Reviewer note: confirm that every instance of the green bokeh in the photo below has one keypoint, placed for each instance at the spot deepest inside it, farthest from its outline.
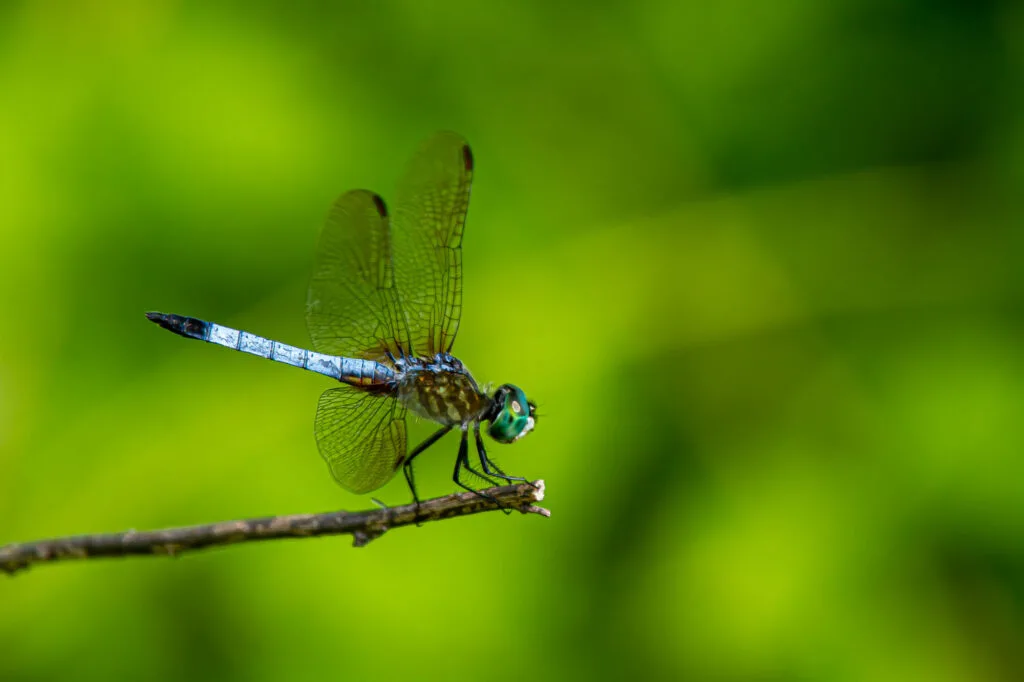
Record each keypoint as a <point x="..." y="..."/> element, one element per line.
<point x="772" y="256"/>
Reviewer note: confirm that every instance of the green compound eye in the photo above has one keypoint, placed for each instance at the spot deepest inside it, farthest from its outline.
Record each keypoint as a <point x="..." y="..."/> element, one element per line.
<point x="512" y="415"/>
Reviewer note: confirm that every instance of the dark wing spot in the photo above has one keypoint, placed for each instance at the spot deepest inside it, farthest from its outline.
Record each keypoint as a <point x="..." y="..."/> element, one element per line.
<point x="398" y="462"/>
<point x="467" y="157"/>
<point x="381" y="208"/>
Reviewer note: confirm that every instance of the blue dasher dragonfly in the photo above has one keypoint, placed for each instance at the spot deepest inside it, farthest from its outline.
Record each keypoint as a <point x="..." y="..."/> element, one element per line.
<point x="383" y="311"/>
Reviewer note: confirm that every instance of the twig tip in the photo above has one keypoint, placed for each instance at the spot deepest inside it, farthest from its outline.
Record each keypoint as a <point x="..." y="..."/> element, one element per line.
<point x="538" y="490"/>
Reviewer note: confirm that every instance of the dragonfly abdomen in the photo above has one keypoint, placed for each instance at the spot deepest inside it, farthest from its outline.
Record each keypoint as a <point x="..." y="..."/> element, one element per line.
<point x="354" y="371"/>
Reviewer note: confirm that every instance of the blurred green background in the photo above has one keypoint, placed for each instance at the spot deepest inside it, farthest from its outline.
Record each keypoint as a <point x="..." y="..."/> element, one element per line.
<point x="772" y="261"/>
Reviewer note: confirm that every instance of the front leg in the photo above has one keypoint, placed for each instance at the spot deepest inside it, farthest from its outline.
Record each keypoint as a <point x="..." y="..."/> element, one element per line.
<point x="487" y="464"/>
<point x="482" y="476"/>
<point x="463" y="461"/>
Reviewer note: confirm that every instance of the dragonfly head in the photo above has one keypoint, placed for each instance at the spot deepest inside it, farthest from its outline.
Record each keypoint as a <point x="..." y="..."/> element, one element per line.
<point x="512" y="416"/>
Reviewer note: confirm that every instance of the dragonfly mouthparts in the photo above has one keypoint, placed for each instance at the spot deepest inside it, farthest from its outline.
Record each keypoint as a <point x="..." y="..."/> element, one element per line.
<point x="530" y="423"/>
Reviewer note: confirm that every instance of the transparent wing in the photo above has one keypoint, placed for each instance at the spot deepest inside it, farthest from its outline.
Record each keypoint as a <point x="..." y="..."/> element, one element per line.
<point x="361" y="436"/>
<point x="352" y="305"/>
<point x="430" y="216"/>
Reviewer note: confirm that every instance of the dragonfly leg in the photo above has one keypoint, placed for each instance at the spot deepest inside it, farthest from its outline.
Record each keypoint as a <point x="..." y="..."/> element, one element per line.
<point x="488" y="465"/>
<point x="479" y="474"/>
<point x="463" y="461"/>
<point x="407" y="467"/>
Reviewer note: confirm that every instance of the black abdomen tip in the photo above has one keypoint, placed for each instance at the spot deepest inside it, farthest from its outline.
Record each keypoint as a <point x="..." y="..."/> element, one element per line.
<point x="467" y="158"/>
<point x="189" y="327"/>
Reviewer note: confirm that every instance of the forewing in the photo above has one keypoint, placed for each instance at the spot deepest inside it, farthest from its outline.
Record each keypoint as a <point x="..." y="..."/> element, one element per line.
<point x="352" y="305"/>
<point x="430" y="216"/>
<point x="361" y="436"/>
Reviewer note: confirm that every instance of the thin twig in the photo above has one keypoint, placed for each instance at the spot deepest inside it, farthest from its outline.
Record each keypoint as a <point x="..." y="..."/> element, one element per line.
<point x="363" y="526"/>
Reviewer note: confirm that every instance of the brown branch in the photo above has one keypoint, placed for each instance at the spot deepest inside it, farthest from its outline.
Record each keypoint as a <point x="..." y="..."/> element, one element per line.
<point x="363" y="526"/>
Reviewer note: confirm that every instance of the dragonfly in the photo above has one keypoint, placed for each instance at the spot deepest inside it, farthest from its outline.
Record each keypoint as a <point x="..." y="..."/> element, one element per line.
<point x="382" y="311"/>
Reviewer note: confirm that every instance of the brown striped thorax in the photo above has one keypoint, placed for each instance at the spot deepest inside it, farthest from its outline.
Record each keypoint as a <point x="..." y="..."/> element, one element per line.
<point x="444" y="391"/>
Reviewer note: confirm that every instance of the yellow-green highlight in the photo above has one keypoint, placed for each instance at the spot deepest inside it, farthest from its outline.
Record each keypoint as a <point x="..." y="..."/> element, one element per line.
<point x="772" y="325"/>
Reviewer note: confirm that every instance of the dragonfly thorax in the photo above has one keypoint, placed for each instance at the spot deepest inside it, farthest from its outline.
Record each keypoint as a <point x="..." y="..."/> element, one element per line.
<point x="441" y="390"/>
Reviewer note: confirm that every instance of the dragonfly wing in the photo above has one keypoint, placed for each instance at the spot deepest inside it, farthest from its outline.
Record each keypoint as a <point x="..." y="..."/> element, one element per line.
<point x="361" y="436"/>
<point x="352" y="305"/>
<point x="430" y="216"/>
